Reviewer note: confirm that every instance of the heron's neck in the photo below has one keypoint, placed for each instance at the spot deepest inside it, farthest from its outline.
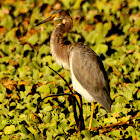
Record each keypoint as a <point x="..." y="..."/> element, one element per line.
<point x="59" y="50"/>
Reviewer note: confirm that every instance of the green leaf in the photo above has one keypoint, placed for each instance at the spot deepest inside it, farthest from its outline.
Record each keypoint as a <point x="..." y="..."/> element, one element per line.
<point x="116" y="108"/>
<point x="35" y="74"/>
<point x="131" y="131"/>
<point x="77" y="4"/>
<point x="3" y="94"/>
<point x="9" y="129"/>
<point x="6" y="48"/>
<point x="126" y="28"/>
<point x="43" y="36"/>
<point x="49" y="2"/>
<point x="47" y="107"/>
<point x="30" y="136"/>
<point x="3" y="123"/>
<point x="53" y="88"/>
<point x="44" y="88"/>
<point x="47" y="117"/>
<point x="116" y="133"/>
<point x="44" y="50"/>
<point x="67" y="3"/>
<point x="86" y="133"/>
<point x="55" y="66"/>
<point x="33" y="39"/>
<point x="101" y="48"/>
<point x="91" y="37"/>
<point x="23" y="129"/>
<point x="13" y="104"/>
<point x="95" y="123"/>
<point x="32" y="130"/>
<point x="110" y="120"/>
<point x="27" y="47"/>
<point x="61" y="99"/>
<point x="137" y="104"/>
<point x="107" y="27"/>
<point x="10" y="36"/>
<point x="49" y="135"/>
<point x="137" y="22"/>
<point x="7" y="22"/>
<point x="118" y="41"/>
<point x="120" y="99"/>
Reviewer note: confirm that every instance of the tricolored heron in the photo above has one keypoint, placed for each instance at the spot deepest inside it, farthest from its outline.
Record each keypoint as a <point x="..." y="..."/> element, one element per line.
<point x="87" y="71"/>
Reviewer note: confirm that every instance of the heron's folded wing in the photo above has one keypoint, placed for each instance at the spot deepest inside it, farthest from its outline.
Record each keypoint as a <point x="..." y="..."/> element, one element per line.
<point x="89" y="71"/>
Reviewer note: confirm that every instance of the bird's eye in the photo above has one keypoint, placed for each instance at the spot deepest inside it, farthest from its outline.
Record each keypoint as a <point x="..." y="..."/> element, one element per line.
<point x="63" y="21"/>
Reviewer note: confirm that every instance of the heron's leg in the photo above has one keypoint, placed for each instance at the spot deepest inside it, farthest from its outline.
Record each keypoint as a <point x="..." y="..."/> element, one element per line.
<point x="91" y="117"/>
<point x="81" y="119"/>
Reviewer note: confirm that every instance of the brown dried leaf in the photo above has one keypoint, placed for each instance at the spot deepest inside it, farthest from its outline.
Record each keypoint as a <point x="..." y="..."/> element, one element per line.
<point x="2" y="30"/>
<point x="9" y="1"/>
<point x="88" y="28"/>
<point x="9" y="84"/>
<point x="26" y="22"/>
<point x="5" y="11"/>
<point x="13" y="62"/>
<point x="23" y="83"/>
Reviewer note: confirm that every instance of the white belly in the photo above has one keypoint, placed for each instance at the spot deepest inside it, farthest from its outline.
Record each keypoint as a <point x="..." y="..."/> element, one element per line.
<point x="78" y="87"/>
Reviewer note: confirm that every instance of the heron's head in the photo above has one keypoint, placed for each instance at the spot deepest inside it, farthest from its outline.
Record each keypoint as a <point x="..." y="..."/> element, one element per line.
<point x="60" y="15"/>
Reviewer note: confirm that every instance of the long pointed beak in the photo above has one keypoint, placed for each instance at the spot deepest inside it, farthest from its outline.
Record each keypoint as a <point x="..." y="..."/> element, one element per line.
<point x="46" y="20"/>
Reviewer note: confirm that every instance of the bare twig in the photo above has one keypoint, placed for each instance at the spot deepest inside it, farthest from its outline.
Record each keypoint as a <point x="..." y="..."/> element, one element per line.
<point x="113" y="126"/>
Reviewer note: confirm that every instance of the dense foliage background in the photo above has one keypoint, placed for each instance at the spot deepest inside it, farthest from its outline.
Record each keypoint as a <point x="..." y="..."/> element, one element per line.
<point x="110" y="27"/>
